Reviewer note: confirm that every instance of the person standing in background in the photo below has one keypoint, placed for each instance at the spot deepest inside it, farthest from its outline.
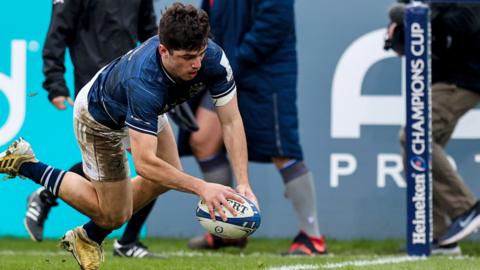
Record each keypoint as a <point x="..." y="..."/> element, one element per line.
<point x="259" y="39"/>
<point x="95" y="33"/>
<point x="455" y="91"/>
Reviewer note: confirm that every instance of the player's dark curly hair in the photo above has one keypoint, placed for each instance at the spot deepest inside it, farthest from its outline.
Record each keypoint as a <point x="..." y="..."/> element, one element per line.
<point x="184" y="27"/>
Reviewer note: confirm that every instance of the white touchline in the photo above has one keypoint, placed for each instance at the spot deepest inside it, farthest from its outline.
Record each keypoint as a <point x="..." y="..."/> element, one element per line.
<point x="295" y="267"/>
<point x="387" y="260"/>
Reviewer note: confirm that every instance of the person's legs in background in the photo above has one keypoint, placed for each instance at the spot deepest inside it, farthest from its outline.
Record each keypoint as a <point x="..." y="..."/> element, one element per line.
<point x="451" y="197"/>
<point x="207" y="145"/>
<point x="449" y="104"/>
<point x="300" y="190"/>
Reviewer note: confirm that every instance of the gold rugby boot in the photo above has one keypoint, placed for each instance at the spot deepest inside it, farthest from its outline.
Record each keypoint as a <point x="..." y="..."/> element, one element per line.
<point x="17" y="153"/>
<point x="87" y="252"/>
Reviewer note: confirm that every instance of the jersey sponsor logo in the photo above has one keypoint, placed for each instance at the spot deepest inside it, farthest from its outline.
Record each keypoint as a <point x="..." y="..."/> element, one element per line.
<point x="14" y="89"/>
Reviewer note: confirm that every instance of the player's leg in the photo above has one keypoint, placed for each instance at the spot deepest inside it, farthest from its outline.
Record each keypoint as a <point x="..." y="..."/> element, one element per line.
<point x="106" y="165"/>
<point x="39" y="204"/>
<point x="19" y="160"/>
<point x="300" y="190"/>
<point x="92" y="199"/>
<point x="84" y="242"/>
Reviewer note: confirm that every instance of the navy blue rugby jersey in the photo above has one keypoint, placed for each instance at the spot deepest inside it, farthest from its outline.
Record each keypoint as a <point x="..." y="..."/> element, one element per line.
<point x="135" y="88"/>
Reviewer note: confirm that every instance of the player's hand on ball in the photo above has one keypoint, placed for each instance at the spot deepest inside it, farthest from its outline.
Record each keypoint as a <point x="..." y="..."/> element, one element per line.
<point x="246" y="191"/>
<point x="215" y="197"/>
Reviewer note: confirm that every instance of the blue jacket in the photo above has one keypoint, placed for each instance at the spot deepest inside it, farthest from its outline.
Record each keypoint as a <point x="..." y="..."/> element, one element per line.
<point x="258" y="37"/>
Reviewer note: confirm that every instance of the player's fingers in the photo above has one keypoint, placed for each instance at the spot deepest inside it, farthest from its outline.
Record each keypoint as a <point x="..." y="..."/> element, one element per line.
<point x="229" y="207"/>
<point x="231" y="189"/>
<point x="235" y="197"/>
<point x="255" y="201"/>
<point x="219" y="208"/>
<point x="252" y="197"/>
<point x="70" y="101"/>
<point x="211" y="210"/>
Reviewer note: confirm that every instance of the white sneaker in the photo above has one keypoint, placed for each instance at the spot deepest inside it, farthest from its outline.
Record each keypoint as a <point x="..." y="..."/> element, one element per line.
<point x="448" y="250"/>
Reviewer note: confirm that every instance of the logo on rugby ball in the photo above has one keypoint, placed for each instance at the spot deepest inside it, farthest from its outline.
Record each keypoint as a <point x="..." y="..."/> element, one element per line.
<point x="219" y="229"/>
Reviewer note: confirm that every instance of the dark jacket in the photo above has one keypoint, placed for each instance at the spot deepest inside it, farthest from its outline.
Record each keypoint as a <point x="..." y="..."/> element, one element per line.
<point x="258" y="37"/>
<point x="95" y="32"/>
<point x="456" y="44"/>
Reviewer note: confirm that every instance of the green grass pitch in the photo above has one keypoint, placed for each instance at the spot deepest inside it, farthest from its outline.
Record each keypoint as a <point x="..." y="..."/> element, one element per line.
<point x="260" y="254"/>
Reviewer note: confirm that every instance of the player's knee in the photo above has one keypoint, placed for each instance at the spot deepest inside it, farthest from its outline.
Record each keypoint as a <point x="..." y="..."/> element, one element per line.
<point x="202" y="145"/>
<point x="196" y="141"/>
<point x="280" y="162"/>
<point x="114" y="220"/>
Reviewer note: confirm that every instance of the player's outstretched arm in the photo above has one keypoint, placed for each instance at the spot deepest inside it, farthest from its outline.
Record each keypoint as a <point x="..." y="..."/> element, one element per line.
<point x="149" y="166"/>
<point x="235" y="142"/>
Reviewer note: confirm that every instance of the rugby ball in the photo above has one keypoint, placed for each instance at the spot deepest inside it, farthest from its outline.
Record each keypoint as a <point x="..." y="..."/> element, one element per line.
<point x="244" y="224"/>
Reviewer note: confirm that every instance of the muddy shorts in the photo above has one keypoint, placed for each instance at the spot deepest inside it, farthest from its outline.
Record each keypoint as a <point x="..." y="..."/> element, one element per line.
<point x="103" y="149"/>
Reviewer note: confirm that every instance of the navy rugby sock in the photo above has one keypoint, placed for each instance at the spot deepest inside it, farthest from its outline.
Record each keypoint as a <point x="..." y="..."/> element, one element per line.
<point x="95" y="232"/>
<point x="44" y="175"/>
<point x="300" y="189"/>
<point x="49" y="197"/>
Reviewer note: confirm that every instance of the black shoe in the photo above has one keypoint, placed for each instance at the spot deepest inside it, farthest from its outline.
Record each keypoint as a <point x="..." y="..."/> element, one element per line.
<point x="462" y="226"/>
<point x="210" y="241"/>
<point x="38" y="207"/>
<point x="135" y="250"/>
<point x="448" y="250"/>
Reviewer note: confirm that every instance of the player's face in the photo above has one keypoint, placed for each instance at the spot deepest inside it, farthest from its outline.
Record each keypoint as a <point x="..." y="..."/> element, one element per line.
<point x="182" y="64"/>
